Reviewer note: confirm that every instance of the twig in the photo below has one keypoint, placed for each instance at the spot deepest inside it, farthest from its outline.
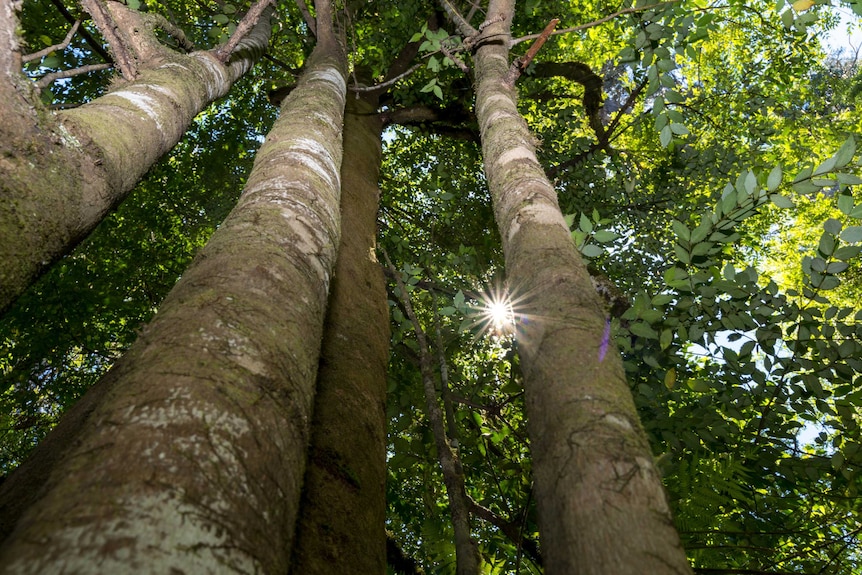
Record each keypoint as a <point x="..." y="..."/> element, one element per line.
<point x="248" y="22"/>
<point x="174" y="32"/>
<point x="464" y="68"/>
<point x="461" y="24"/>
<point x="105" y="23"/>
<point x="306" y="15"/>
<point x="47" y="79"/>
<point x="387" y="83"/>
<point x="594" y="23"/>
<point x="520" y="64"/>
<point x="94" y="45"/>
<point x="61" y="46"/>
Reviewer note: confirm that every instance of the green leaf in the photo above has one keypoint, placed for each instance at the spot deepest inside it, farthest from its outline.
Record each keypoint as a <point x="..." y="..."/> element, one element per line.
<point x="826" y="245"/>
<point x="781" y="201"/>
<point x="845" y="253"/>
<point x="584" y="224"/>
<point x="852" y="234"/>
<point x="700" y="232"/>
<point x="682" y="254"/>
<point x="680" y="230"/>
<point x="592" y="251"/>
<point x="641" y="329"/>
<point x="666" y="338"/>
<point x="458" y="300"/>
<point x="665" y="136"/>
<point x="605" y="236"/>
<point x="845" y="204"/>
<point x="678" y="129"/>
<point x="848" y="179"/>
<point x="845" y="153"/>
<point x="221" y="19"/>
<point x="832" y="226"/>
<point x="774" y="179"/>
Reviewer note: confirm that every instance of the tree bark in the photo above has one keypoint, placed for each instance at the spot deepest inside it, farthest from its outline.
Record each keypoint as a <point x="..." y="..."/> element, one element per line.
<point x="192" y="459"/>
<point x="341" y="526"/>
<point x="62" y="172"/>
<point x="602" y="508"/>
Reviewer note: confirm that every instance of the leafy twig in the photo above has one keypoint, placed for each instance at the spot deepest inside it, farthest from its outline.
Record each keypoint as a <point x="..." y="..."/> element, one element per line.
<point x="594" y="23"/>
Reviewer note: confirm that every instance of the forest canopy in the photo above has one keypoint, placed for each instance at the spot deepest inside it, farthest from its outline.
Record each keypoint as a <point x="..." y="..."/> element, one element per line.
<point x="705" y="158"/>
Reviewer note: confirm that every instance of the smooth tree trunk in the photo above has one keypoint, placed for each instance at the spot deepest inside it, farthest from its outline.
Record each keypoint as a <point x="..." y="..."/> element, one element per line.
<point x="62" y="172"/>
<point x="341" y="526"/>
<point x="602" y="508"/>
<point x="192" y="458"/>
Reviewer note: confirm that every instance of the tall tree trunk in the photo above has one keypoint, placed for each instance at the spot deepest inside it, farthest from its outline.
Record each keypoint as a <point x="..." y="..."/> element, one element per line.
<point x="341" y="525"/>
<point x="192" y="460"/>
<point x="602" y="508"/>
<point x="62" y="172"/>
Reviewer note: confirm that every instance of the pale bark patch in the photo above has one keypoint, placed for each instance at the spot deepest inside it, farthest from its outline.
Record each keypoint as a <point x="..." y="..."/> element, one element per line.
<point x="144" y="541"/>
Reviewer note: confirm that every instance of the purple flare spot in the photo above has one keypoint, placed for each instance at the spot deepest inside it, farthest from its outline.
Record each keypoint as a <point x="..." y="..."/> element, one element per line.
<point x="606" y="340"/>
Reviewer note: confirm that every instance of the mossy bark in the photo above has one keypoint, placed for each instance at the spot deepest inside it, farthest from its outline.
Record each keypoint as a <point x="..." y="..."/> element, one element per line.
<point x="341" y="525"/>
<point x="602" y="508"/>
<point x="62" y="172"/>
<point x="192" y="458"/>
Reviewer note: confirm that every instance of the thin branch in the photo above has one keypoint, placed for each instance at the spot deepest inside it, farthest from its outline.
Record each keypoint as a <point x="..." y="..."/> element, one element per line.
<point x="387" y="83"/>
<point x="105" y="23"/>
<point x="248" y="22"/>
<point x="306" y="15"/>
<point x="174" y="32"/>
<point x="47" y="79"/>
<point x="466" y="550"/>
<point x="61" y="46"/>
<point x="446" y="52"/>
<point x="594" y="23"/>
<point x="94" y="45"/>
<point x="520" y="64"/>
<point x="464" y="27"/>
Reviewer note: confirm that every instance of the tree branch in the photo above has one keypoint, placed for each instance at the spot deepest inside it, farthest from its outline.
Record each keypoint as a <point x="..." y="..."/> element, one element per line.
<point x="47" y="79"/>
<point x="306" y="15"/>
<point x="105" y="23"/>
<point x="61" y="46"/>
<point x="466" y="550"/>
<point x="520" y="64"/>
<point x="248" y="22"/>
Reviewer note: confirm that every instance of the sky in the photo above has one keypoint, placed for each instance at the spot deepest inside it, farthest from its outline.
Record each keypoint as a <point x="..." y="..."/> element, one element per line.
<point x="839" y="37"/>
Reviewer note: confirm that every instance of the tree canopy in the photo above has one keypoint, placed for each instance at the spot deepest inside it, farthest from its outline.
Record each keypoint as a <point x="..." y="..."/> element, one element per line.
<point x="705" y="156"/>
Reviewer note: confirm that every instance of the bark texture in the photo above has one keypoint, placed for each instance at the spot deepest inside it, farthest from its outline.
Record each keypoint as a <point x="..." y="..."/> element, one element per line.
<point x="192" y="459"/>
<point x="61" y="173"/>
<point x="602" y="508"/>
<point x="341" y="525"/>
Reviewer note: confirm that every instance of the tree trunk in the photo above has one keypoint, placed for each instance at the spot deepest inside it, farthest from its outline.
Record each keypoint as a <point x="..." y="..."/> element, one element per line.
<point x="62" y="172"/>
<point x="192" y="460"/>
<point x="341" y="525"/>
<point x="602" y="508"/>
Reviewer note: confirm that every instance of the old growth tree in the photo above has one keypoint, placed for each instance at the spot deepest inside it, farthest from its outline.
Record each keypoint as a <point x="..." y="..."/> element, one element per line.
<point x="695" y="149"/>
